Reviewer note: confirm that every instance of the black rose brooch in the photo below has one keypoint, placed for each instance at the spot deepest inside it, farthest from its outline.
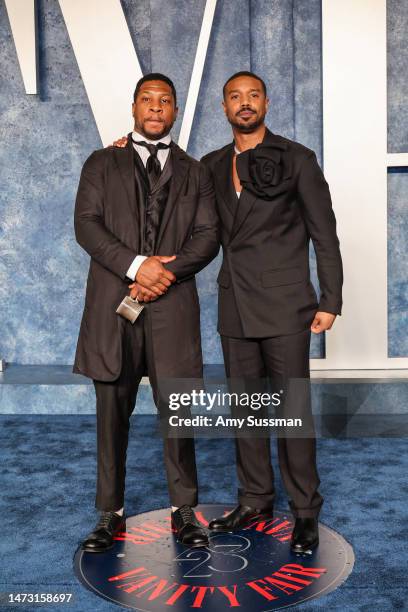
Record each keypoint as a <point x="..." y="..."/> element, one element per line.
<point x="263" y="171"/>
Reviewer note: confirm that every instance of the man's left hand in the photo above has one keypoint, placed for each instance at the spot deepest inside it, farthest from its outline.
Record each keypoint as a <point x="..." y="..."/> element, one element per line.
<point x="141" y="293"/>
<point x="322" y="322"/>
<point x="121" y="142"/>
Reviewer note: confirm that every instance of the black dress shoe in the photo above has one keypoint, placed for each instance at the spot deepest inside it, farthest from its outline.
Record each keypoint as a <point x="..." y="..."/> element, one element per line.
<point x="239" y="518"/>
<point x="305" y="535"/>
<point x="101" y="538"/>
<point x="187" y="528"/>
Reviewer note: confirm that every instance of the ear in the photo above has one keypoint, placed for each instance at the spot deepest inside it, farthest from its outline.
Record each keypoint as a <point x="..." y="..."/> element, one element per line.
<point x="224" y="107"/>
<point x="176" y="113"/>
<point x="267" y="104"/>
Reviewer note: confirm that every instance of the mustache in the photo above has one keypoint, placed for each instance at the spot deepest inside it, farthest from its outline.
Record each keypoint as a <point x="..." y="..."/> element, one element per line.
<point x="245" y="110"/>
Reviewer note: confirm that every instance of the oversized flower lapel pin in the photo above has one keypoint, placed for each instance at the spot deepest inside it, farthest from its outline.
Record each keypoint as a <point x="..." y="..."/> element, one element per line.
<point x="263" y="170"/>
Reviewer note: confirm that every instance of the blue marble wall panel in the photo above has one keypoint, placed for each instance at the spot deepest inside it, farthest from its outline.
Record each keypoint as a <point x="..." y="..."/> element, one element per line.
<point x="397" y="94"/>
<point x="397" y="76"/>
<point x="397" y="262"/>
<point x="307" y="64"/>
<point x="272" y="53"/>
<point x="138" y="17"/>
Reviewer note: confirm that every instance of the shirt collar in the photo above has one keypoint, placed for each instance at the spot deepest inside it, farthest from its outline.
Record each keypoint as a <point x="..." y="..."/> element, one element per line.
<point x="165" y="140"/>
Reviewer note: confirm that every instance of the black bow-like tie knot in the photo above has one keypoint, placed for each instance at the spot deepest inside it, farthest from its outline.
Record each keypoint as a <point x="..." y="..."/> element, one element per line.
<point x="152" y="148"/>
<point x="153" y="166"/>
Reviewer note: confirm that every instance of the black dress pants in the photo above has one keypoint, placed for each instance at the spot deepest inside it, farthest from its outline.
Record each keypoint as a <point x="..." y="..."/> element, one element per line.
<point x="115" y="402"/>
<point x="283" y="359"/>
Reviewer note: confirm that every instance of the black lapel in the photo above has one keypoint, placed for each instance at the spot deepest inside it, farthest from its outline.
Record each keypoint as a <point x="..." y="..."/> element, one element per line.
<point x="179" y="165"/>
<point x="140" y="168"/>
<point x="223" y="178"/>
<point x="244" y="206"/>
<point x="125" y="161"/>
<point x="247" y="199"/>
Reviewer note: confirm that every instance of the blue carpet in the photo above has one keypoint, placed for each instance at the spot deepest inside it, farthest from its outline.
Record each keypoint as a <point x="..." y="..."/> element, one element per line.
<point x="47" y="504"/>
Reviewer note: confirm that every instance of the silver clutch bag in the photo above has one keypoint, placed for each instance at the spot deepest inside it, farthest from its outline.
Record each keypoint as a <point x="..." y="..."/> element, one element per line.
<point x="129" y="309"/>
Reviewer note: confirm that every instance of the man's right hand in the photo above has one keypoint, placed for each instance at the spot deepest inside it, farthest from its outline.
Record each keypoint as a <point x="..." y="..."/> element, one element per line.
<point x="154" y="276"/>
<point x="121" y="143"/>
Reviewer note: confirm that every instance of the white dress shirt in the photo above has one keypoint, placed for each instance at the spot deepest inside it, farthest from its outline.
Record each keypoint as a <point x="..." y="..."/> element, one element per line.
<point x="162" y="155"/>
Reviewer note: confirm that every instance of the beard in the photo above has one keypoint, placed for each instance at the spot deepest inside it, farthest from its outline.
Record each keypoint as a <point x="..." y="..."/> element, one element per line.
<point x="143" y="129"/>
<point x="152" y="135"/>
<point x="250" y="126"/>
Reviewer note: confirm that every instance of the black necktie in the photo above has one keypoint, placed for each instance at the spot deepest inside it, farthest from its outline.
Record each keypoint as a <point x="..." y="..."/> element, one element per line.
<point x="153" y="166"/>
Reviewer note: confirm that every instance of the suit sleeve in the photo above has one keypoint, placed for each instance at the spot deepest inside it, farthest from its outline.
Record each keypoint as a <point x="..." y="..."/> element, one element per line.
<point x="320" y="222"/>
<point x="90" y="230"/>
<point x="204" y="243"/>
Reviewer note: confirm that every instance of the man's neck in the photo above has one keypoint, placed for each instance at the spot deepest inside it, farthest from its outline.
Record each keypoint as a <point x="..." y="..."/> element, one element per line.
<point x="245" y="141"/>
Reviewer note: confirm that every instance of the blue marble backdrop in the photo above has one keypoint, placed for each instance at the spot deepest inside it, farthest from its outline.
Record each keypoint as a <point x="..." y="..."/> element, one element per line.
<point x="46" y="138"/>
<point x="397" y="107"/>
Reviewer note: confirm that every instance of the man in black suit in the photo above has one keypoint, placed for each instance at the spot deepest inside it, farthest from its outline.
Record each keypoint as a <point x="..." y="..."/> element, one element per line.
<point x="272" y="199"/>
<point x="145" y="213"/>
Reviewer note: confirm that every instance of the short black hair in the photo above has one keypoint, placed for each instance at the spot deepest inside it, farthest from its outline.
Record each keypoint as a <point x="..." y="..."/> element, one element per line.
<point x="244" y="73"/>
<point x="155" y="76"/>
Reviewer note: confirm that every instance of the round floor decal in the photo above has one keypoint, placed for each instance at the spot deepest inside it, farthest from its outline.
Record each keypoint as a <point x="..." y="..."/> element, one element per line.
<point x="253" y="569"/>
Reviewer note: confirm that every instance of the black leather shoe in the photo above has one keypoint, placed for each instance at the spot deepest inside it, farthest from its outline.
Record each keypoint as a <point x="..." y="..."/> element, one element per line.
<point x="305" y="535"/>
<point x="101" y="538"/>
<point x="187" y="528"/>
<point x="239" y="518"/>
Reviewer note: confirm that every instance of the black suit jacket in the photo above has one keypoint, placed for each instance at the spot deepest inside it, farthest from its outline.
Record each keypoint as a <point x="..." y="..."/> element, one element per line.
<point x="264" y="280"/>
<point x="108" y="221"/>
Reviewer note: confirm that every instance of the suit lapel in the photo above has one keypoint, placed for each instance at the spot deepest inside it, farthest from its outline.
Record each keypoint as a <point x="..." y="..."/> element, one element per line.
<point x="179" y="167"/>
<point x="125" y="161"/>
<point x="223" y="178"/>
<point x="140" y="169"/>
<point x="244" y="207"/>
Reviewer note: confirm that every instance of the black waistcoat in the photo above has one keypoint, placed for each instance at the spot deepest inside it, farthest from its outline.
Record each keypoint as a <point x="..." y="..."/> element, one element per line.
<point x="151" y="203"/>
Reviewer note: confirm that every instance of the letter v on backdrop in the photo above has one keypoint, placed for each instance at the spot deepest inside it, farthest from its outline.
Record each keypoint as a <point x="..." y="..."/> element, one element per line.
<point x="106" y="59"/>
<point x="109" y="65"/>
